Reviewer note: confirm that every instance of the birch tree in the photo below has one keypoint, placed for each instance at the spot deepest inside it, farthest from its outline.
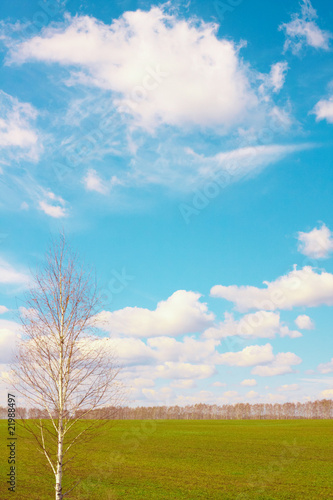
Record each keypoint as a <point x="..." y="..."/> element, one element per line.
<point x="62" y="367"/>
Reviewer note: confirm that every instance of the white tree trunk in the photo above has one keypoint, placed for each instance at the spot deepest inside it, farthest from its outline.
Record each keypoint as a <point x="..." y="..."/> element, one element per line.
<point x="59" y="495"/>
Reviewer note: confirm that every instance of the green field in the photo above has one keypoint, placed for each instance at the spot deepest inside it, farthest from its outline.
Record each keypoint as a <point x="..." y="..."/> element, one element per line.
<point x="177" y="459"/>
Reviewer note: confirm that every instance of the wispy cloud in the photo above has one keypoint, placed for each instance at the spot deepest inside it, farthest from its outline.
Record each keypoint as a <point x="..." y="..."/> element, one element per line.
<point x="244" y="161"/>
<point x="18" y="135"/>
<point x="11" y="276"/>
<point x="277" y="75"/>
<point x="303" y="30"/>
<point x="93" y="182"/>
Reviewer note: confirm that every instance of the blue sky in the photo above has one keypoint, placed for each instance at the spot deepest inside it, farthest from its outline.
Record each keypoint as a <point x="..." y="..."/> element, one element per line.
<point x="186" y="151"/>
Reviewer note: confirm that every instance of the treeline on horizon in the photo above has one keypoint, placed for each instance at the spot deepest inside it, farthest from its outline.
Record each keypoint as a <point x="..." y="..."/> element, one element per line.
<point x="320" y="409"/>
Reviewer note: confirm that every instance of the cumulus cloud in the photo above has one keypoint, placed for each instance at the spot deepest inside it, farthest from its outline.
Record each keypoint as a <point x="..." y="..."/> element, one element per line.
<point x="249" y="356"/>
<point x="303" y="287"/>
<point x="324" y="110"/>
<point x="183" y="384"/>
<point x="249" y="382"/>
<point x="303" y="30"/>
<point x="288" y="387"/>
<point x="149" y="60"/>
<point x="230" y="394"/>
<point x="3" y="309"/>
<point x="180" y="314"/>
<point x="162" y="395"/>
<point x="252" y="394"/>
<point x="261" y="324"/>
<point x="18" y="135"/>
<point x="304" y="322"/>
<point x="172" y="370"/>
<point x="317" y="243"/>
<point x="326" y="367"/>
<point x="327" y="394"/>
<point x="265" y="363"/>
<point x="134" y="351"/>
<point x="219" y="384"/>
<point x="280" y="365"/>
<point x="189" y="350"/>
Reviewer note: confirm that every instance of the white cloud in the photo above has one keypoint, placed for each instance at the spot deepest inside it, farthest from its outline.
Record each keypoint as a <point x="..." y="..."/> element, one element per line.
<point x="326" y="380"/>
<point x="276" y="398"/>
<point x="174" y="370"/>
<point x="250" y="382"/>
<point x="249" y="356"/>
<point x="134" y="351"/>
<point x="43" y="199"/>
<point x="287" y="388"/>
<point x="18" y="136"/>
<point x="142" y="65"/>
<point x="3" y="309"/>
<point x="219" y="384"/>
<point x="200" y="397"/>
<point x="143" y="382"/>
<point x="277" y="75"/>
<point x="241" y="162"/>
<point x="261" y="324"/>
<point x="252" y="394"/>
<point x="327" y="394"/>
<point x="298" y="288"/>
<point x="189" y="350"/>
<point x="55" y="211"/>
<point x="180" y="314"/>
<point x="162" y="395"/>
<point x="9" y="275"/>
<point x="184" y="170"/>
<point x="282" y="119"/>
<point x="280" y="365"/>
<point x="304" y="322"/>
<point x="326" y="367"/>
<point x="150" y="59"/>
<point x="230" y="394"/>
<point x="9" y="335"/>
<point x="302" y="30"/>
<point x="93" y="182"/>
<point x="324" y="110"/>
<point x="163" y="358"/>
<point x="183" y="384"/>
<point x="317" y="243"/>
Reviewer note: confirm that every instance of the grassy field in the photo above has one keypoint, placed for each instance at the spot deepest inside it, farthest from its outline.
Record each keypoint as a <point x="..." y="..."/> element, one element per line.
<point x="236" y="460"/>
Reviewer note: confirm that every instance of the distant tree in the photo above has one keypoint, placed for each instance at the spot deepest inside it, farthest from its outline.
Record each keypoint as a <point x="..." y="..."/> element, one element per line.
<point x="61" y="368"/>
